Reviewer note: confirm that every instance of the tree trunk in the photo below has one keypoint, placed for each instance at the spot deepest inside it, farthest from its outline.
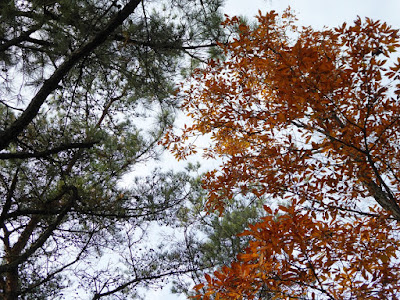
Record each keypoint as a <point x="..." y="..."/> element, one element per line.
<point x="11" y="285"/>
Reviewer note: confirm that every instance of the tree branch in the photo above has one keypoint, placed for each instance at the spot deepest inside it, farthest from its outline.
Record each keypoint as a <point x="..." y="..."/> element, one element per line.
<point x="40" y="154"/>
<point x="51" y="84"/>
<point x="54" y="273"/>
<point x="10" y="193"/>
<point x="23" y="37"/>
<point x="136" y="280"/>
<point x="20" y="258"/>
<point x="172" y="46"/>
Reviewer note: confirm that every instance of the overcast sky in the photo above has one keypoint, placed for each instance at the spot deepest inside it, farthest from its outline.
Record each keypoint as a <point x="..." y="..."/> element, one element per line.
<point x="316" y="13"/>
<point x="319" y="13"/>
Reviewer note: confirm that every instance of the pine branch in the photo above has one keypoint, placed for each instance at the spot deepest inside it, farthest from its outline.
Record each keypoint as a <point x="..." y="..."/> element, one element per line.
<point x="51" y="84"/>
<point x="41" y="154"/>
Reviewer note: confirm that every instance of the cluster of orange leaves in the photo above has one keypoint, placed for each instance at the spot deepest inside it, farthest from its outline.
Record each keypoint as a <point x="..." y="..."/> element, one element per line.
<point x="311" y="119"/>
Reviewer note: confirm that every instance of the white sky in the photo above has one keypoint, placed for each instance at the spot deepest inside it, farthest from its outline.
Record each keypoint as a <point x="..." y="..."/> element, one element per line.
<point x="317" y="13"/>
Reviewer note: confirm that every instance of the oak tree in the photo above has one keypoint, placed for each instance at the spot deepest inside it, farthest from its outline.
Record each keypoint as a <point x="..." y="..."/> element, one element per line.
<point x="310" y="118"/>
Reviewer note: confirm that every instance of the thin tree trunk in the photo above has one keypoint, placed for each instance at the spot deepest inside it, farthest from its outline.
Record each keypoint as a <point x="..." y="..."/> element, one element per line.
<point x="11" y="285"/>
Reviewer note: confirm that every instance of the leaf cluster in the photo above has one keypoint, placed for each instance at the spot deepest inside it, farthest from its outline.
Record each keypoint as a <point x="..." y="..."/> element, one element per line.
<point x="311" y="118"/>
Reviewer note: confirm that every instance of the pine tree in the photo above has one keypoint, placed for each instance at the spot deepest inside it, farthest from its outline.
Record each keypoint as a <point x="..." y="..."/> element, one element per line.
<point x="78" y="79"/>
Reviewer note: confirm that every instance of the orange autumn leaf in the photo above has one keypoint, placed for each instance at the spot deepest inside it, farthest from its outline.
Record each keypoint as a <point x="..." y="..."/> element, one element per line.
<point x="309" y="119"/>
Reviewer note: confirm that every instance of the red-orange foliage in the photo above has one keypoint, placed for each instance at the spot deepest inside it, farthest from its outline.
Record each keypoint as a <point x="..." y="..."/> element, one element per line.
<point x="311" y="118"/>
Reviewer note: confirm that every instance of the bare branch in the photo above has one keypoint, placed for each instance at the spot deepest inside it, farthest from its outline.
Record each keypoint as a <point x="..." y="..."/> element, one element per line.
<point x="140" y="279"/>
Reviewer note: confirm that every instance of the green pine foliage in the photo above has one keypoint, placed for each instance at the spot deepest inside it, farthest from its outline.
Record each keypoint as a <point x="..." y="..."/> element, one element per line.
<point x="85" y="95"/>
<point x="205" y="241"/>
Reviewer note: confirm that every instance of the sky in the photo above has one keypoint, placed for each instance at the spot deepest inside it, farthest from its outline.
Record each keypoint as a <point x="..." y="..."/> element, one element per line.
<point x="319" y="13"/>
<point x="315" y="13"/>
